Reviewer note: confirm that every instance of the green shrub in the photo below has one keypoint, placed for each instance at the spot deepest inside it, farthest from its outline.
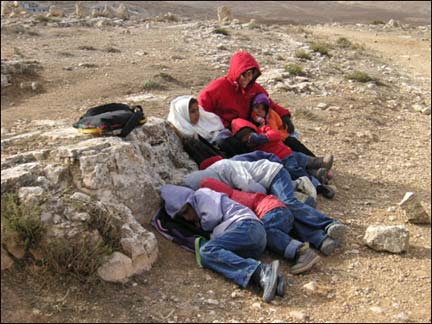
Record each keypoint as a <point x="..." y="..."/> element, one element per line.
<point x="360" y="77"/>
<point x="87" y="48"/>
<point x="42" y="19"/>
<point x="343" y="42"/>
<point x="22" y="220"/>
<point x="294" y="69"/>
<point x="378" y="22"/>
<point x="152" y="85"/>
<point x="321" y="48"/>
<point x="221" y="31"/>
<point x="80" y="258"/>
<point x="301" y="54"/>
<point x="253" y="26"/>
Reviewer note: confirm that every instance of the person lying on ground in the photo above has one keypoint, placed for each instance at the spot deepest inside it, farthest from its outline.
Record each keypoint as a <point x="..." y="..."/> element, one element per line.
<point x="304" y="189"/>
<point x="298" y="164"/>
<point x="278" y="222"/>
<point x="265" y="176"/>
<point x="237" y="236"/>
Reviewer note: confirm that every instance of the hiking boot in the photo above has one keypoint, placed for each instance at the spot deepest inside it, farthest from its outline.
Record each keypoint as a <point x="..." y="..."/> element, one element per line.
<point x="336" y="231"/>
<point x="320" y="162"/>
<point x="326" y="191"/>
<point x="305" y="260"/>
<point x="268" y="279"/>
<point x="320" y="174"/>
<point x="280" y="290"/>
<point x="328" y="246"/>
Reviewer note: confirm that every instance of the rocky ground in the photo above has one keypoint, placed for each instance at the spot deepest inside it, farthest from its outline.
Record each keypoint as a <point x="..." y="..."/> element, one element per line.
<point x="378" y="131"/>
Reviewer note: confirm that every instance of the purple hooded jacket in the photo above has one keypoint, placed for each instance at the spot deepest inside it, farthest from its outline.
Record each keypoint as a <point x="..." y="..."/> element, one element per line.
<point x="215" y="210"/>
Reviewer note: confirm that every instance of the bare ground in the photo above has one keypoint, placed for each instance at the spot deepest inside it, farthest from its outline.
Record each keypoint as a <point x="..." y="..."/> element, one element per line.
<point x="373" y="171"/>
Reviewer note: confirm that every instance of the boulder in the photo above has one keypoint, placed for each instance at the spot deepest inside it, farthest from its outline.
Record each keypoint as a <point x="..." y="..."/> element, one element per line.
<point x="394" y="239"/>
<point x="78" y="179"/>
<point x="414" y="209"/>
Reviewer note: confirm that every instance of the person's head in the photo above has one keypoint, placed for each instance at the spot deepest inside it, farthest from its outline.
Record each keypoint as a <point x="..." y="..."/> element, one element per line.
<point x="244" y="69"/>
<point x="260" y="105"/>
<point x="194" y="113"/>
<point x="189" y="214"/>
<point x="244" y="134"/>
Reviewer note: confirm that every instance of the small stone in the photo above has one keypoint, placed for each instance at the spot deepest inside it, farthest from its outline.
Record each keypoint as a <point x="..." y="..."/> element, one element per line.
<point x="402" y="317"/>
<point x="311" y="286"/>
<point x="414" y="210"/>
<point x="297" y="315"/>
<point x="256" y="305"/>
<point x="322" y="105"/>
<point x="376" y="310"/>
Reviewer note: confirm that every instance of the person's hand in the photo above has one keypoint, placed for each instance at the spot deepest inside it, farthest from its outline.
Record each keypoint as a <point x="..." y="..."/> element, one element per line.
<point x="255" y="139"/>
<point x="288" y="124"/>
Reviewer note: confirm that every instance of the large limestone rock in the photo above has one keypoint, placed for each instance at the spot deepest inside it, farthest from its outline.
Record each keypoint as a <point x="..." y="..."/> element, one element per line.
<point x="224" y="14"/>
<point x="415" y="211"/>
<point x="119" y="177"/>
<point x="393" y="239"/>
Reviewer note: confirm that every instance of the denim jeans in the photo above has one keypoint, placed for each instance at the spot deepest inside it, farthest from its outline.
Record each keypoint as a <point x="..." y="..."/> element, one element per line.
<point x="296" y="164"/>
<point x="233" y="254"/>
<point x="278" y="223"/>
<point x="309" y="223"/>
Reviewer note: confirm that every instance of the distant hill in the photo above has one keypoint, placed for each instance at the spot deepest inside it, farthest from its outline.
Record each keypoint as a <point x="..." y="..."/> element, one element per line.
<point x="297" y="12"/>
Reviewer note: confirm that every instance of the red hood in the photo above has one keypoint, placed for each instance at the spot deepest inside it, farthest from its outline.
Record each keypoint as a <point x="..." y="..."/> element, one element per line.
<point x="240" y="62"/>
<point x="238" y="123"/>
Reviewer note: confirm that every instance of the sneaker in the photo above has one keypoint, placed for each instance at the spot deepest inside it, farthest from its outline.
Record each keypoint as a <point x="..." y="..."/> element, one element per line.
<point x="280" y="290"/>
<point x="326" y="191"/>
<point x="320" y="174"/>
<point x="268" y="280"/>
<point x="328" y="246"/>
<point x="305" y="260"/>
<point x="337" y="231"/>
<point x="305" y="185"/>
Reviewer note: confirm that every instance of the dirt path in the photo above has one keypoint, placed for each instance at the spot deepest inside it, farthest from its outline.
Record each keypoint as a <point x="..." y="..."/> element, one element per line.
<point x="410" y="52"/>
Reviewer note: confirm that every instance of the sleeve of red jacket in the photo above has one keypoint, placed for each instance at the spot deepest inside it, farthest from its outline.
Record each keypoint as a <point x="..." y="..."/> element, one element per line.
<point x="216" y="185"/>
<point x="205" y="99"/>
<point x="271" y="134"/>
<point x="279" y="109"/>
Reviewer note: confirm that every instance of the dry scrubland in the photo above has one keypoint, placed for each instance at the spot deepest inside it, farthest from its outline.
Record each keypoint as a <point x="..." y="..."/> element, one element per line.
<point x="361" y="92"/>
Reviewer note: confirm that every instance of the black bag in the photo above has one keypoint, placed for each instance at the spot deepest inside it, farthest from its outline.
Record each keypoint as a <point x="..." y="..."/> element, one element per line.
<point x="110" y="119"/>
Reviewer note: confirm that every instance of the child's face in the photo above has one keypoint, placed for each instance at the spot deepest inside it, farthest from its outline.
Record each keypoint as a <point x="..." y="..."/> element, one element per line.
<point x="259" y="110"/>
<point x="194" y="114"/>
<point x="190" y="215"/>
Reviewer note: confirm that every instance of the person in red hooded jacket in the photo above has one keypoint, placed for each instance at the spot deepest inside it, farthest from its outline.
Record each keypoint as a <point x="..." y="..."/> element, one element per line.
<point x="230" y="96"/>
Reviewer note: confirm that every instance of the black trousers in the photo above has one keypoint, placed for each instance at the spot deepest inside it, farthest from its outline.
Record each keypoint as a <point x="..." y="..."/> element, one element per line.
<point x="297" y="146"/>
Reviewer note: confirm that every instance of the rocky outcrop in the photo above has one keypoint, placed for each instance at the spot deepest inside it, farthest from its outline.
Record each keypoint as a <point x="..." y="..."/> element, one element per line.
<point x="119" y="177"/>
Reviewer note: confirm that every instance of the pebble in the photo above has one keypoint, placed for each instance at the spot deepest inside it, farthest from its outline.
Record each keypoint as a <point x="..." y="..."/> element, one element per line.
<point x="376" y="309"/>
<point x="402" y="317"/>
<point x="297" y="315"/>
<point x="256" y="305"/>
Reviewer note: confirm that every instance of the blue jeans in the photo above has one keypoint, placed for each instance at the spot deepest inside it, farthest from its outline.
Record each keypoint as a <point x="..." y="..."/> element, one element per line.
<point x="296" y="164"/>
<point x="278" y="223"/>
<point x="306" y="217"/>
<point x="233" y="253"/>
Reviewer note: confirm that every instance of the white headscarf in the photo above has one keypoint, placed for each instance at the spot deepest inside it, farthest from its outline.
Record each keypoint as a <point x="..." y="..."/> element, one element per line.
<point x="208" y="125"/>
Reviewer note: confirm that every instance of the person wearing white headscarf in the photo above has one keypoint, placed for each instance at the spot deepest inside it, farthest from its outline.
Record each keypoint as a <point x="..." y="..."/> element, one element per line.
<point x="209" y="125"/>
